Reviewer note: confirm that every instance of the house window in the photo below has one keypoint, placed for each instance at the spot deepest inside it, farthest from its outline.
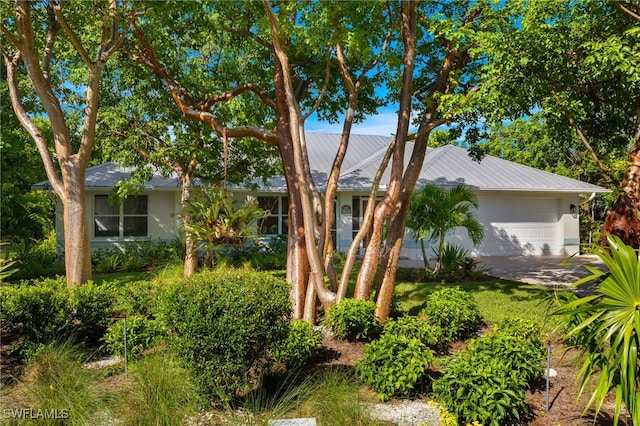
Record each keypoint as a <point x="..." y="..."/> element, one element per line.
<point x="128" y="219"/>
<point x="277" y="221"/>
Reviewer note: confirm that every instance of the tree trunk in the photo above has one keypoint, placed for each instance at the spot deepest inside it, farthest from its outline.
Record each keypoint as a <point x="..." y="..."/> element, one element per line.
<point x="191" y="253"/>
<point x="76" y="236"/>
<point x="623" y="220"/>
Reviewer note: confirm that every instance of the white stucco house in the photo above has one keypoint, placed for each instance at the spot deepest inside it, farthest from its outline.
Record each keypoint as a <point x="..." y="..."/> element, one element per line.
<point x="525" y="211"/>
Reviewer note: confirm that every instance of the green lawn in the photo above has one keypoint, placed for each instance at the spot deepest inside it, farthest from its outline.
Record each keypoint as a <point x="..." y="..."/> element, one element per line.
<point x="495" y="299"/>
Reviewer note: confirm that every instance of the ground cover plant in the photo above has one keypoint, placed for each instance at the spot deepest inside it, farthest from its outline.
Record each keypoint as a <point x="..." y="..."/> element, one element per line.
<point x="410" y="334"/>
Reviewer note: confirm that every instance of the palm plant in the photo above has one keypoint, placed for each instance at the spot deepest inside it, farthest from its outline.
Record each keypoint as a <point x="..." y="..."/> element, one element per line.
<point x="215" y="219"/>
<point x="435" y="211"/>
<point x="606" y="326"/>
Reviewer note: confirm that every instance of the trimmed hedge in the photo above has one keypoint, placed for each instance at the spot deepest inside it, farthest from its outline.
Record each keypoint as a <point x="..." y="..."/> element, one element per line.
<point x="224" y="324"/>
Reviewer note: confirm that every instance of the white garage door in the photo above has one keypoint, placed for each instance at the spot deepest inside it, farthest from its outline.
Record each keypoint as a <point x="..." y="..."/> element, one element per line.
<point x="517" y="226"/>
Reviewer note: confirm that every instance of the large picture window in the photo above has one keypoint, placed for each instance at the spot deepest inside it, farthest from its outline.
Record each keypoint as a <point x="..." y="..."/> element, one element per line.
<point x="277" y="222"/>
<point x="128" y="219"/>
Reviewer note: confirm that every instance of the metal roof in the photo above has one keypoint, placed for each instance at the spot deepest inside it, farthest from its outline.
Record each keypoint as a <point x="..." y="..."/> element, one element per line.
<point x="445" y="166"/>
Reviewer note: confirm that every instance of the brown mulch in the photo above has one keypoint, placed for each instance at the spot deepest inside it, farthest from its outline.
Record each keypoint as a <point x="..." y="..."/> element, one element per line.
<point x="565" y="408"/>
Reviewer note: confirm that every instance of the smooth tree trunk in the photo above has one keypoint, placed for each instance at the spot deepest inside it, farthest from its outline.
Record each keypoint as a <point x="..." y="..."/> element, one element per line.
<point x="69" y="186"/>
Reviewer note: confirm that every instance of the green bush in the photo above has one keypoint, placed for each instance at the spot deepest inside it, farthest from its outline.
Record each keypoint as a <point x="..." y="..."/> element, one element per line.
<point x="299" y="346"/>
<point x="37" y="259"/>
<point x="454" y="311"/>
<point x="142" y="334"/>
<point x="162" y="392"/>
<point x="135" y="297"/>
<point x="39" y="312"/>
<point x="487" y="382"/>
<point x="394" y="365"/>
<point x="479" y="387"/>
<point x="91" y="306"/>
<point x="224" y="323"/>
<point x="416" y="328"/>
<point x="520" y="327"/>
<point x="353" y="320"/>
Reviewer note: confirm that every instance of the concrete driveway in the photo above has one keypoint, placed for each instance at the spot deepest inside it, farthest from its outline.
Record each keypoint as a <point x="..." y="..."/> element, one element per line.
<point x="544" y="270"/>
<point x="550" y="271"/>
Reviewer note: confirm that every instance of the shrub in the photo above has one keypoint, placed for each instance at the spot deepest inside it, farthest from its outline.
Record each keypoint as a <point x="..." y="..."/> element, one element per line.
<point x="224" y="323"/>
<point x="394" y="365"/>
<point x="522" y="328"/>
<point x="486" y="383"/>
<point x="142" y="334"/>
<point x="91" y="305"/>
<point x="353" y="320"/>
<point x="479" y="387"/>
<point x="299" y="346"/>
<point x="162" y="392"/>
<point x="39" y="311"/>
<point x="135" y="297"/>
<point x="416" y="328"/>
<point x="38" y="258"/>
<point x="454" y="311"/>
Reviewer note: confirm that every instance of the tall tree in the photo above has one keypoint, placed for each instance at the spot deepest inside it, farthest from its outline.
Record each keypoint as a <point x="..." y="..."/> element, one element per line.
<point x="140" y="126"/>
<point x="66" y="80"/>
<point x="576" y="66"/>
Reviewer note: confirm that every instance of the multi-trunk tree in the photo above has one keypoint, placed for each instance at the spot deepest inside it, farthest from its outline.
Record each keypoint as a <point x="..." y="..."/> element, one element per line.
<point x="63" y="49"/>
<point x="296" y="58"/>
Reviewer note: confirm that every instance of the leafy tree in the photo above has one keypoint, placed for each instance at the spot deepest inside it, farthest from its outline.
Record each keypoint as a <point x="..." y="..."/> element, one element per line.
<point x="576" y="67"/>
<point x="435" y="211"/>
<point x="24" y="214"/>
<point x="66" y="80"/>
<point x="140" y="126"/>
<point x="215" y="219"/>
<point x="607" y="325"/>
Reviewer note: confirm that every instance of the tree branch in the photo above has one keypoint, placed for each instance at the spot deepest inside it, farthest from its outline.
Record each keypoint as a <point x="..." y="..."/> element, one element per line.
<point x="30" y="127"/>
<point x="73" y="38"/>
<point x="323" y="91"/>
<point x="248" y="87"/>
<point x="624" y="6"/>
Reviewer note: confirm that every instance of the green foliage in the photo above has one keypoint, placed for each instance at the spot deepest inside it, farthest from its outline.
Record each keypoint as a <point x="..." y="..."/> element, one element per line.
<point x="224" y="323"/>
<point x="91" y="306"/>
<point x="38" y="259"/>
<point x="478" y="387"/>
<point x="55" y="378"/>
<point x="137" y="255"/>
<point x="394" y="364"/>
<point x="142" y="334"/>
<point x="487" y="381"/>
<point x="299" y="346"/>
<point x="435" y="211"/>
<point x="39" y="312"/>
<point x="605" y="325"/>
<point x="161" y="392"/>
<point x="415" y="328"/>
<point x="5" y="272"/>
<point x="353" y="320"/>
<point x="215" y="219"/>
<point x="454" y="311"/>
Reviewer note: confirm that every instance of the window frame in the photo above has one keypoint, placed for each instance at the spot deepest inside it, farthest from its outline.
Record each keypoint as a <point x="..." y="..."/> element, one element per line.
<point x="281" y="216"/>
<point x="121" y="217"/>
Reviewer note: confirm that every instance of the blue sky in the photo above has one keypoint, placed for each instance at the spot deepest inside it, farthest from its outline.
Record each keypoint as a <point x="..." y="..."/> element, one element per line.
<point x="383" y="123"/>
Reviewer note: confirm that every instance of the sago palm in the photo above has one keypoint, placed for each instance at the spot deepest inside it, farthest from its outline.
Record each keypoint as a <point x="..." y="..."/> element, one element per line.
<point x="607" y="327"/>
<point x="435" y="211"/>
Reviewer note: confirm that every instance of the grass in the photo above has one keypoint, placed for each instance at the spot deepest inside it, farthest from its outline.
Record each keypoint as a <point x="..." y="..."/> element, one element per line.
<point x="496" y="299"/>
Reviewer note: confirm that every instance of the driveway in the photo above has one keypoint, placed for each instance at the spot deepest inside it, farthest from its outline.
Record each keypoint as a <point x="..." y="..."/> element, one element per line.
<point x="550" y="271"/>
<point x="544" y="270"/>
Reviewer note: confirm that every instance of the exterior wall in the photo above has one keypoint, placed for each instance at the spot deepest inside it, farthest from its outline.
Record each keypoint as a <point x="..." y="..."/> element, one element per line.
<point x="515" y="223"/>
<point x="162" y="222"/>
<point x="518" y="224"/>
